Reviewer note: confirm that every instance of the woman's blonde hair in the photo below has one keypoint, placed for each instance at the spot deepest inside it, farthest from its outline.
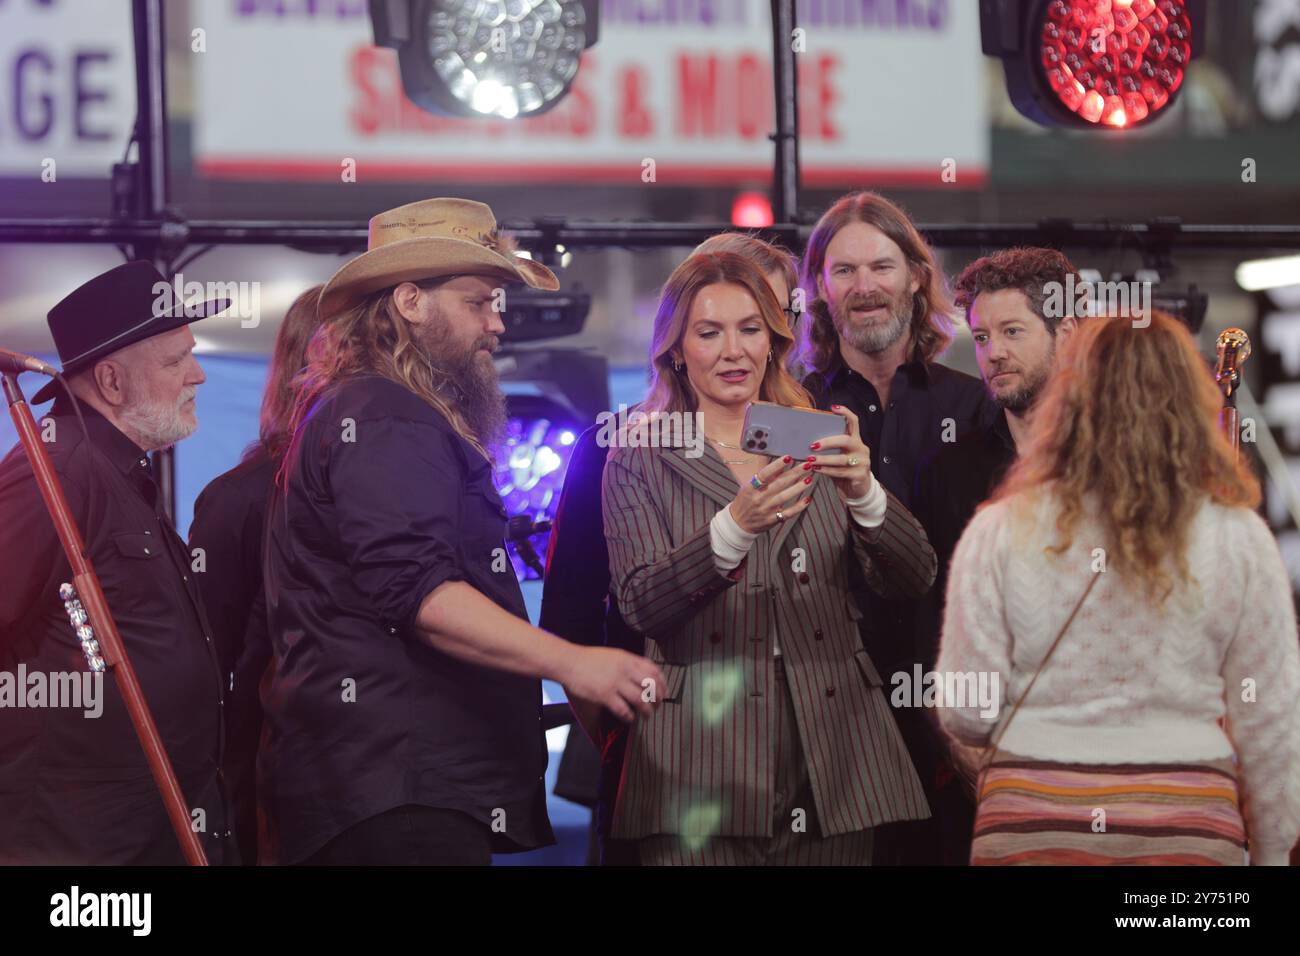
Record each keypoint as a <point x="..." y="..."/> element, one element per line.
<point x="768" y="256"/>
<point x="670" y="390"/>
<point x="373" y="338"/>
<point x="1131" y="417"/>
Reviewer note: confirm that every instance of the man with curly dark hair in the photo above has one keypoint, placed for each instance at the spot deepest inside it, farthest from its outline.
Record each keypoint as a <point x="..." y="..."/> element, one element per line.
<point x="1016" y="303"/>
<point x="1019" y="305"/>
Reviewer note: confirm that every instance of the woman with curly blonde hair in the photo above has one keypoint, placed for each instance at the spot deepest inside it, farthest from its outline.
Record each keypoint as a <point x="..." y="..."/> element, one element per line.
<point x="1133" y="607"/>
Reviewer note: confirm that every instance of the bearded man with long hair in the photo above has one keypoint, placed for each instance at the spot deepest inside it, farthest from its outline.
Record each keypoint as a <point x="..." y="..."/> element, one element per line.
<point x="878" y="321"/>
<point x="404" y="712"/>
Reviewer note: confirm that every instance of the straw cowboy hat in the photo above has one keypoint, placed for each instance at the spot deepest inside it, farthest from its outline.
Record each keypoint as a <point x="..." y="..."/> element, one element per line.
<point x="427" y="239"/>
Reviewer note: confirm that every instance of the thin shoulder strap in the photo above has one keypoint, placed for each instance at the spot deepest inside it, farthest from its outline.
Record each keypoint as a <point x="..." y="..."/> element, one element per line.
<point x="997" y="739"/>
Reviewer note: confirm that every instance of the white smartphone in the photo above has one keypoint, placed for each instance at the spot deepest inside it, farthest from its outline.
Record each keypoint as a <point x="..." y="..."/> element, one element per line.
<point x="778" y="430"/>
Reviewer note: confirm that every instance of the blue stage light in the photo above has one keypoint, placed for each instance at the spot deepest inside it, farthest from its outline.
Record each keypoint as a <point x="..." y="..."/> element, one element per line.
<point x="534" y="460"/>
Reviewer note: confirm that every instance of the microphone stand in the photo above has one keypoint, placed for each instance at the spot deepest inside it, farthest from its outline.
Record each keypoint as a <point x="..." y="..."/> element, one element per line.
<point x="101" y="620"/>
<point x="518" y="530"/>
<point x="1233" y="346"/>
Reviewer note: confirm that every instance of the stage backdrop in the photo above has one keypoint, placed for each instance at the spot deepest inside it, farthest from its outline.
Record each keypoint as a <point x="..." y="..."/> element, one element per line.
<point x="296" y="90"/>
<point x="67" y="100"/>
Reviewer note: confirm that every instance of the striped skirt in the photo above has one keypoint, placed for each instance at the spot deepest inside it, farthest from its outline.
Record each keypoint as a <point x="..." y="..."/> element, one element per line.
<point x="1034" y="812"/>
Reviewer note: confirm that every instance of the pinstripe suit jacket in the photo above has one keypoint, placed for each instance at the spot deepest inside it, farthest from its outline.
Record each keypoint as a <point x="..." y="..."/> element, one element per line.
<point x="704" y="763"/>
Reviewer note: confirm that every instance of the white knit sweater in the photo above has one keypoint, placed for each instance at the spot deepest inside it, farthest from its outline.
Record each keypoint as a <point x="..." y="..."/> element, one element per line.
<point x="1132" y="682"/>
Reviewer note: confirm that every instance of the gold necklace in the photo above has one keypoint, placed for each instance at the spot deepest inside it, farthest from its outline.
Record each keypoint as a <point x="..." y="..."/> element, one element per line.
<point x="732" y="461"/>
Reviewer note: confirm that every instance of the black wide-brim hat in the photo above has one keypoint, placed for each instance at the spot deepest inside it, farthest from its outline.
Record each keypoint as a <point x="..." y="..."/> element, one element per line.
<point x="118" y="308"/>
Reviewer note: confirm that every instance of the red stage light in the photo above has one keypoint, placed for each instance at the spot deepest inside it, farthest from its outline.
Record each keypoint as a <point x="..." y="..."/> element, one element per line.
<point x="1104" y="64"/>
<point x="751" y="211"/>
<point x="1107" y="43"/>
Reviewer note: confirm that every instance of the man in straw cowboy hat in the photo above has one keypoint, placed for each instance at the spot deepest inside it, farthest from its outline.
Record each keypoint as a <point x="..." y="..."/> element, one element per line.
<point x="75" y="790"/>
<point x="404" y="710"/>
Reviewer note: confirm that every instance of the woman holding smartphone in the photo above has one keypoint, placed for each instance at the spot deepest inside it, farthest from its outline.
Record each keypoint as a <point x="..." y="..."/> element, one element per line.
<point x="774" y="744"/>
<point x="577" y="603"/>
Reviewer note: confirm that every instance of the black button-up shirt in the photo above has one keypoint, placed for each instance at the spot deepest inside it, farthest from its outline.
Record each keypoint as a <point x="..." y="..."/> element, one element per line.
<point x="383" y="502"/>
<point x="78" y="790"/>
<point x="929" y="406"/>
<point x="949" y="487"/>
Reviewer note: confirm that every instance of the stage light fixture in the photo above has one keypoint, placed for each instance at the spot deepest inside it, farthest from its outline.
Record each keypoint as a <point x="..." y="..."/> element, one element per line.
<point x="1099" y="64"/>
<point x="486" y="58"/>
<point x="531" y="315"/>
<point x="539" y="443"/>
<point x="1186" y="303"/>
<point x="552" y="395"/>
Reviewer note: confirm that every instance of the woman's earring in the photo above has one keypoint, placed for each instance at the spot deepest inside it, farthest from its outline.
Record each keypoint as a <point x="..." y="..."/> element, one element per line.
<point x="769" y="356"/>
<point x="676" y="366"/>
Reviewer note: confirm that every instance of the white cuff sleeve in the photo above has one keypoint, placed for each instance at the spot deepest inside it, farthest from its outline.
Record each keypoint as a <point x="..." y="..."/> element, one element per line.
<point x="869" y="510"/>
<point x="731" y="542"/>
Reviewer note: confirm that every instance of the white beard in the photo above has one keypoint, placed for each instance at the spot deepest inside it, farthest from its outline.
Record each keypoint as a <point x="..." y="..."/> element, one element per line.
<point x="157" y="425"/>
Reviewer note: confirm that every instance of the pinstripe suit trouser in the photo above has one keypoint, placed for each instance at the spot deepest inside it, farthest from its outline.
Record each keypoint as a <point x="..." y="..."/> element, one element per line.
<point x="796" y="841"/>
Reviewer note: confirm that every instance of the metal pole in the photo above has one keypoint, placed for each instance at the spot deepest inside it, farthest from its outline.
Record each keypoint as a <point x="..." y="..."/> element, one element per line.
<point x="345" y="237"/>
<point x="151" y="102"/>
<point x="785" y="82"/>
<point x="153" y="183"/>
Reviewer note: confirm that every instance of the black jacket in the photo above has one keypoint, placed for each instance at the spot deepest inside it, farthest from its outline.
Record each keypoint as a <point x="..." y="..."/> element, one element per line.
<point x="73" y="789"/>
<point x="229" y="517"/>
<point x="576" y="605"/>
<point x="929" y="406"/>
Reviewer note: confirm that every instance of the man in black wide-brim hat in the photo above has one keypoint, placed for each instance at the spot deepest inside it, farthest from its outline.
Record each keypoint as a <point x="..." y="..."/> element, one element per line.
<point x="75" y="786"/>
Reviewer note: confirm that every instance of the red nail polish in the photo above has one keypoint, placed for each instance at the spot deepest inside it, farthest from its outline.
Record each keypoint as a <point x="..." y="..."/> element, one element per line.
<point x="787" y="459"/>
<point x="815" y="445"/>
<point x="812" y="457"/>
<point x="808" y="480"/>
<point x="807" y="501"/>
<point x="807" y="465"/>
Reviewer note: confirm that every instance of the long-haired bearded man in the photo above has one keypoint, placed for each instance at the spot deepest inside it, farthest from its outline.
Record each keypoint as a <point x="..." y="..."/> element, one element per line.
<point x="403" y="718"/>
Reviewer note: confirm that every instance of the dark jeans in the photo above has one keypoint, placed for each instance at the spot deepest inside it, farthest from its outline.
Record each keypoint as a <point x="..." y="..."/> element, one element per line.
<point x="410" y="836"/>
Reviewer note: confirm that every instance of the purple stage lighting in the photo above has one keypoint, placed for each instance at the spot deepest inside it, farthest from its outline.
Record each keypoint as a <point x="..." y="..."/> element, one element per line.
<point x="533" y="463"/>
